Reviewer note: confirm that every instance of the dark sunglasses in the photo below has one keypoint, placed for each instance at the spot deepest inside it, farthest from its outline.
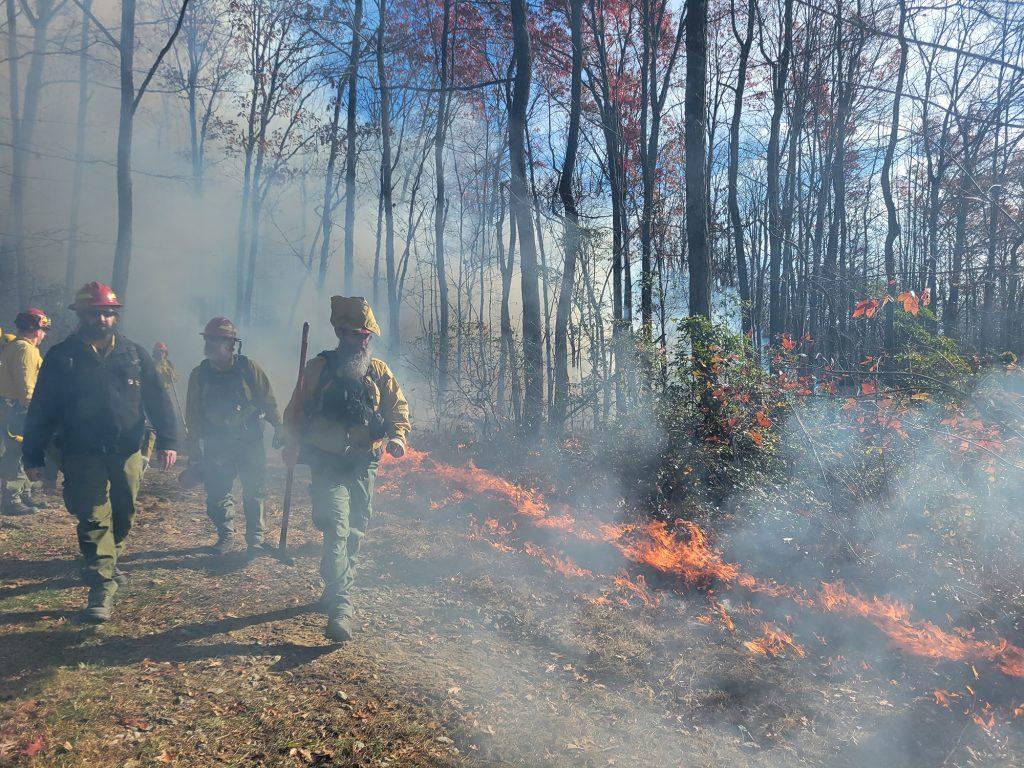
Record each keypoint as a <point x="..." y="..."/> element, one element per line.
<point x="101" y="313"/>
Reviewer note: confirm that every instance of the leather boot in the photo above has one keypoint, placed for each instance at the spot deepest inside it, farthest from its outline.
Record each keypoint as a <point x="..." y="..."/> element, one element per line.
<point x="100" y="606"/>
<point x="339" y="629"/>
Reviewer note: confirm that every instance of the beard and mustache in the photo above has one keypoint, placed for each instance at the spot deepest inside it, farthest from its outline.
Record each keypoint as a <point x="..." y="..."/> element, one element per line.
<point x="91" y="332"/>
<point x="354" y="362"/>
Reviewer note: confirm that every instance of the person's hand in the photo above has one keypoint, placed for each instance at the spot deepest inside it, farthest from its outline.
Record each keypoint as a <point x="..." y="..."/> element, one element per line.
<point x="290" y="455"/>
<point x="396" y="448"/>
<point x="278" y="439"/>
<point x="165" y="459"/>
<point x="35" y="474"/>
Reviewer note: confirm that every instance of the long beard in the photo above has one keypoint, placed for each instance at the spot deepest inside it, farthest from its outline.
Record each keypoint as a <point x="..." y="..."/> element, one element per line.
<point x="354" y="362"/>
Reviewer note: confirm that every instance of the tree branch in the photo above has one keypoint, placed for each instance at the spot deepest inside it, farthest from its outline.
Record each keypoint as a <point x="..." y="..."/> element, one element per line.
<point x="160" y="56"/>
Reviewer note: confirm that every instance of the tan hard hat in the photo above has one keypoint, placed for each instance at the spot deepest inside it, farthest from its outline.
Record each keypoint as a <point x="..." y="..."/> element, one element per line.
<point x="353" y="313"/>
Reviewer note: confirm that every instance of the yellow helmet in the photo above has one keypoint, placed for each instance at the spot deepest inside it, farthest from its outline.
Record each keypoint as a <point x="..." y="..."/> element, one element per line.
<point x="353" y="313"/>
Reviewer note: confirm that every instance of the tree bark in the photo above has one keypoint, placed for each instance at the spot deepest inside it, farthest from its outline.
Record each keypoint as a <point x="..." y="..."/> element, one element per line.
<point x="695" y="111"/>
<point x="350" y="148"/>
<point x="533" y="363"/>
<point x="571" y="221"/>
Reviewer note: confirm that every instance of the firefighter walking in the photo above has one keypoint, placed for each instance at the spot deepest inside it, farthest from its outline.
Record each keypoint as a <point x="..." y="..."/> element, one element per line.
<point x="20" y="362"/>
<point x="94" y="393"/>
<point x="229" y="398"/>
<point x="347" y="411"/>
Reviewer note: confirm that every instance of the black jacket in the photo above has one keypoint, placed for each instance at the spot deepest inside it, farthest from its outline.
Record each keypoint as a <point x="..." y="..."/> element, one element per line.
<point x="95" y="404"/>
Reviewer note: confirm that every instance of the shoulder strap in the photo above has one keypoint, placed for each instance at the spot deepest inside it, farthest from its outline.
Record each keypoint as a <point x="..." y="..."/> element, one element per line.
<point x="248" y="371"/>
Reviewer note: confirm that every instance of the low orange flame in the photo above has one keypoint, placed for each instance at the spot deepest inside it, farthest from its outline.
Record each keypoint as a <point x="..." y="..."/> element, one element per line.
<point x="774" y="642"/>
<point x="692" y="559"/>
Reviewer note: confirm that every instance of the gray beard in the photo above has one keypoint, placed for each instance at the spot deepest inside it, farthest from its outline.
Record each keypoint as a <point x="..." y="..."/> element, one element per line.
<point x="353" y="365"/>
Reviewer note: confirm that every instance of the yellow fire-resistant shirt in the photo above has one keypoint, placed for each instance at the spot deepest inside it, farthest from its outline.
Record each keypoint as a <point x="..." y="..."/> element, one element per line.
<point x="385" y="396"/>
<point x="20" y="362"/>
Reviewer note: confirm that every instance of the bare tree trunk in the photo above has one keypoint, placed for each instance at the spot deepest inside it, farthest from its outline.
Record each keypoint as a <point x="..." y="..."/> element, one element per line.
<point x="695" y="111"/>
<point x="22" y="133"/>
<point x="745" y="44"/>
<point x="440" y="209"/>
<point x="893" y="224"/>
<point x="776" y="322"/>
<point x="533" y="362"/>
<point x="125" y="212"/>
<point x="387" y="186"/>
<point x="77" y="171"/>
<point x="327" y="212"/>
<point x="350" y="149"/>
<point x="571" y="222"/>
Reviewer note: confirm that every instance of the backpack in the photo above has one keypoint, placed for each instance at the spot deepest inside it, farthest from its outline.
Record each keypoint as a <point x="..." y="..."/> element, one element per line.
<point x="228" y="400"/>
<point x="347" y="401"/>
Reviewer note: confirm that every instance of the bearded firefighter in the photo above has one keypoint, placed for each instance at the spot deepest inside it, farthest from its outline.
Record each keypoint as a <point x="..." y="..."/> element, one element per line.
<point x="229" y="398"/>
<point x="20" y="362"/>
<point x="346" y="412"/>
<point x="96" y="390"/>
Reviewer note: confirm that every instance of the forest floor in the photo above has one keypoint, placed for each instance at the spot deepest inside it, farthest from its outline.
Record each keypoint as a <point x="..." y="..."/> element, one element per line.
<point x="471" y="649"/>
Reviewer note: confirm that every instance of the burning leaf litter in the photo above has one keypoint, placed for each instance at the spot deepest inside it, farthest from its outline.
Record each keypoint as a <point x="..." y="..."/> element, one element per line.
<point x="692" y="559"/>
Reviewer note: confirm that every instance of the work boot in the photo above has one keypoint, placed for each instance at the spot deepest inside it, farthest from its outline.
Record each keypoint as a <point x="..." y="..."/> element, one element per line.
<point x="225" y="540"/>
<point x="13" y="505"/>
<point x="100" y="606"/>
<point x="28" y="501"/>
<point x="120" y="577"/>
<point x="339" y="629"/>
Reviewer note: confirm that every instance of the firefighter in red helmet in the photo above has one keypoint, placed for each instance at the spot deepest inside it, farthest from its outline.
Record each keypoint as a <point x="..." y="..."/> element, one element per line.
<point x="96" y="390"/>
<point x="229" y="399"/>
<point x="19" y="368"/>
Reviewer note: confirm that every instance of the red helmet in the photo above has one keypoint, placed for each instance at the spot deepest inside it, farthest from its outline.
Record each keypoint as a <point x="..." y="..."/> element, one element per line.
<point x="95" y="296"/>
<point x="220" y="328"/>
<point x="32" y="319"/>
<point x="159" y="347"/>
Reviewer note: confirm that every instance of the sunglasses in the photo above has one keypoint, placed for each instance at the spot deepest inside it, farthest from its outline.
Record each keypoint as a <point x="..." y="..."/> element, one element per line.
<point x="101" y="313"/>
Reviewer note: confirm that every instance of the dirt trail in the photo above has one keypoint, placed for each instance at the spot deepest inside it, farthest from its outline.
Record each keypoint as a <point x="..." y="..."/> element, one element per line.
<point x="466" y="654"/>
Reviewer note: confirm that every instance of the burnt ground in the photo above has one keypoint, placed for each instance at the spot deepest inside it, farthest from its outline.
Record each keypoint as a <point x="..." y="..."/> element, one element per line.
<point x="467" y="654"/>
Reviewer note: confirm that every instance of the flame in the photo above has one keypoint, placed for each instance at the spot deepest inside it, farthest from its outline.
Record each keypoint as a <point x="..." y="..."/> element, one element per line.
<point x="638" y="588"/>
<point x="692" y="559"/>
<point x="774" y="642"/>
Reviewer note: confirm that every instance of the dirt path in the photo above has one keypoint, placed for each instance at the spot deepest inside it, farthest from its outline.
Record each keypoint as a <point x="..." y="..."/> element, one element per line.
<point x="467" y="653"/>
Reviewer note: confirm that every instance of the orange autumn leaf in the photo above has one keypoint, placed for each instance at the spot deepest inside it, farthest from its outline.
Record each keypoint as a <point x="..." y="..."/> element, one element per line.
<point x="911" y="304"/>
<point x="756" y="437"/>
<point x="787" y="342"/>
<point x="866" y="308"/>
<point x="34" y="747"/>
<point x="763" y="420"/>
<point x="868" y="387"/>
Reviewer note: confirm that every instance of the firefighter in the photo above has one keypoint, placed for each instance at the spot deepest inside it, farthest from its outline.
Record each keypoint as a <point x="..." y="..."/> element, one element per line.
<point x="164" y="366"/>
<point x="95" y="391"/>
<point x="229" y="398"/>
<point x="348" y="410"/>
<point x="169" y="378"/>
<point x="19" y="368"/>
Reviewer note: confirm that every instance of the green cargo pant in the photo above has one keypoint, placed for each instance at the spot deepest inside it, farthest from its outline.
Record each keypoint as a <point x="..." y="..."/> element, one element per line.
<point x="222" y="463"/>
<point x="342" y="495"/>
<point x="13" y="481"/>
<point x="100" y="491"/>
<point x="14" y="484"/>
